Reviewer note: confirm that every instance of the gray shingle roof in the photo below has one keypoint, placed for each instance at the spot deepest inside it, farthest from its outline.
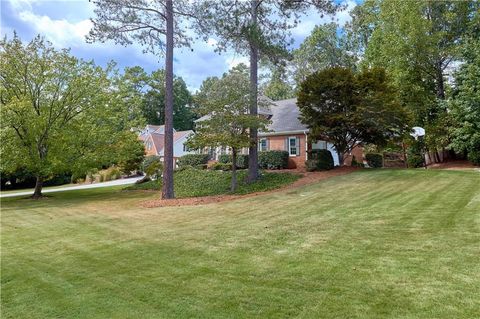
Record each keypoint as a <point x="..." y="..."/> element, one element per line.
<point x="285" y="117"/>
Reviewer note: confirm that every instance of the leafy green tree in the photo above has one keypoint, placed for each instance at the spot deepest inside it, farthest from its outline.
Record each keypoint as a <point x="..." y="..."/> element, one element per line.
<point x="153" y="103"/>
<point x="416" y="41"/>
<point x="465" y="101"/>
<point x="323" y="48"/>
<point x="59" y="114"/>
<point x="226" y="104"/>
<point x="278" y="86"/>
<point x="346" y="108"/>
<point x="157" y="26"/>
<point x="149" y="89"/>
<point x="201" y="94"/>
<point x="258" y="28"/>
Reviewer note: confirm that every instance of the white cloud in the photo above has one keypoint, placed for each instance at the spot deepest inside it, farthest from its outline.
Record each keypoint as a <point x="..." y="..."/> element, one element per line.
<point x="312" y="18"/>
<point x="22" y="4"/>
<point x="236" y="60"/>
<point x="343" y="17"/>
<point x="61" y="33"/>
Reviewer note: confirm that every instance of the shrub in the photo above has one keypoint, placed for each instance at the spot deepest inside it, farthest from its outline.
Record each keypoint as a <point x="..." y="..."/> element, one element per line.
<point x="473" y="151"/>
<point x="152" y="167"/>
<point x="192" y="160"/>
<point x="323" y="158"/>
<point x="60" y="179"/>
<point x="374" y="160"/>
<point x="311" y="165"/>
<point x="221" y="166"/>
<point x="242" y="160"/>
<point x="111" y="173"/>
<point x="355" y="163"/>
<point x="415" y="154"/>
<point x="148" y="160"/>
<point x="273" y="159"/>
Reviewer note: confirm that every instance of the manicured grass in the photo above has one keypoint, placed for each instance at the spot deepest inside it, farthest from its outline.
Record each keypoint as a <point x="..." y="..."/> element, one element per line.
<point x="194" y="182"/>
<point x="372" y="244"/>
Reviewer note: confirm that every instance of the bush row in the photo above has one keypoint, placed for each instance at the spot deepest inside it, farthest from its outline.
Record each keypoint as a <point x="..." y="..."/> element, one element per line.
<point x="273" y="159"/>
<point x="242" y="160"/>
<point x="266" y="160"/>
<point x="192" y="160"/>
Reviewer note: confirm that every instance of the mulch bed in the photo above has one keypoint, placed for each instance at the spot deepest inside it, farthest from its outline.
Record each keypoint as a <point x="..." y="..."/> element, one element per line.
<point x="307" y="178"/>
<point x="453" y="165"/>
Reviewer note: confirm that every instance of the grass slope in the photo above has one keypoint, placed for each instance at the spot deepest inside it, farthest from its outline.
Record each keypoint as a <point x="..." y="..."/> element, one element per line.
<point x="372" y="244"/>
<point x="194" y="183"/>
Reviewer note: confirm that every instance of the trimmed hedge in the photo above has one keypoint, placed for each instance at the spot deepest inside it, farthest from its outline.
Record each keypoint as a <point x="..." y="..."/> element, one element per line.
<point x="242" y="160"/>
<point x="221" y="167"/>
<point x="321" y="160"/>
<point x="374" y="160"/>
<point x="192" y="160"/>
<point x="273" y="159"/>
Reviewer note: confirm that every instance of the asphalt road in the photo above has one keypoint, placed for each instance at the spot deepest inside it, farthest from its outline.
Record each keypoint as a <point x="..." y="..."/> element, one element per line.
<point x="124" y="181"/>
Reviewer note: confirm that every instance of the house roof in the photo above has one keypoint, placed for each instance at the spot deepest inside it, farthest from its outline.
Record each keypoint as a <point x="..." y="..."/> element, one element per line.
<point x="180" y="134"/>
<point x="159" y="139"/>
<point x="264" y="106"/>
<point x="285" y="117"/>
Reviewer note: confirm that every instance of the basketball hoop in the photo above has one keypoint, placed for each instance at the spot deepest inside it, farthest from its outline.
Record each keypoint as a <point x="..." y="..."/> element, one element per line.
<point x="417" y="132"/>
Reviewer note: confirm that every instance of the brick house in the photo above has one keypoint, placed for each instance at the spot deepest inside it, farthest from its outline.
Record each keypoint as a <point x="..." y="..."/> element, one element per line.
<point x="153" y="139"/>
<point x="287" y="133"/>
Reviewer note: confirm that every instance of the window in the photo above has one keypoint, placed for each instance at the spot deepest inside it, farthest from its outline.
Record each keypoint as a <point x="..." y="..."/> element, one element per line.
<point x="293" y="146"/>
<point x="149" y="145"/>
<point x="186" y="148"/>
<point x="262" y="145"/>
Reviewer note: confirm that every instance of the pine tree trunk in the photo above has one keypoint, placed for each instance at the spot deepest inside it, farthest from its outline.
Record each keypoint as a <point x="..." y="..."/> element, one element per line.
<point x="167" y="186"/>
<point x="38" y="188"/>
<point x="253" y="149"/>
<point x="233" y="186"/>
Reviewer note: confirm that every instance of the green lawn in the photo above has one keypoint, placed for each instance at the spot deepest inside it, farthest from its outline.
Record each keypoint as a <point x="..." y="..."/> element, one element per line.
<point x="372" y="244"/>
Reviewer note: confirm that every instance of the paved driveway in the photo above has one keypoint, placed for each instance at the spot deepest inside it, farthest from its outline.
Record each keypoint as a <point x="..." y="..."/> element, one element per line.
<point x="124" y="181"/>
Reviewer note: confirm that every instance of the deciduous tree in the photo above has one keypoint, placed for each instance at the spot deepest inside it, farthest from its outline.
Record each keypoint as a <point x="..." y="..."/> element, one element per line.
<point x="346" y="108"/>
<point x="465" y="100"/>
<point x="226" y="105"/>
<point x="59" y="114"/>
<point x="416" y="41"/>
<point x="323" y="48"/>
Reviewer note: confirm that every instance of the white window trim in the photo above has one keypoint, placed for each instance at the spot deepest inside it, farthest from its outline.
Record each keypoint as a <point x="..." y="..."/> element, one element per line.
<point x="260" y="148"/>
<point x="297" y="153"/>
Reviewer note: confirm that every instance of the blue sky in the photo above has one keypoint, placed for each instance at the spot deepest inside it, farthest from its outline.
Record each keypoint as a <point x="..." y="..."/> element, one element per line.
<point x="66" y="22"/>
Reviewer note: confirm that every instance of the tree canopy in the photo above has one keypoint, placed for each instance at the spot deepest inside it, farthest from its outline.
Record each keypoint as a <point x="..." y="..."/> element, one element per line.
<point x="225" y="105"/>
<point x="465" y="100"/>
<point x="59" y="113"/>
<point x="149" y="89"/>
<point x="323" y="48"/>
<point x="348" y="109"/>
